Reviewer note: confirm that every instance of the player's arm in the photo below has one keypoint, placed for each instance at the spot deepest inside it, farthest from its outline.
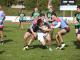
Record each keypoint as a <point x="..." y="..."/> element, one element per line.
<point x="16" y="17"/>
<point x="75" y="21"/>
<point x="58" y="25"/>
<point x="50" y="20"/>
<point x="45" y="29"/>
<point x="56" y="19"/>
<point x="31" y="29"/>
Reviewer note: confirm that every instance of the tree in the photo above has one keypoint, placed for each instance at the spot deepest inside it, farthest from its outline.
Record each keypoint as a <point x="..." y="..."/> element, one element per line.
<point x="3" y="2"/>
<point x="30" y="4"/>
<point x="77" y="2"/>
<point x="56" y="4"/>
<point x="7" y="2"/>
<point x="42" y="4"/>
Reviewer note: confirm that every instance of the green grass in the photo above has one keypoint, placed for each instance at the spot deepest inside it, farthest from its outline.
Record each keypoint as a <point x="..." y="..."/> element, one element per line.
<point x="12" y="49"/>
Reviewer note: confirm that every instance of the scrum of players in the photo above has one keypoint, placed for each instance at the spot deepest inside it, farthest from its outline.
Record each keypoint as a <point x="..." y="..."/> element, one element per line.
<point x="41" y="28"/>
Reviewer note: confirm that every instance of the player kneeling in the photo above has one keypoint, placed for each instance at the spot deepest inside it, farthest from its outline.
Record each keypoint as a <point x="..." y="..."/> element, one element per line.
<point x="30" y="35"/>
<point x="43" y="34"/>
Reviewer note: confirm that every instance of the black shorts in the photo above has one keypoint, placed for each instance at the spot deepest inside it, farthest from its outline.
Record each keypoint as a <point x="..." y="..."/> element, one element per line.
<point x="76" y="27"/>
<point x="28" y="30"/>
<point x="1" y="29"/>
<point x="67" y="29"/>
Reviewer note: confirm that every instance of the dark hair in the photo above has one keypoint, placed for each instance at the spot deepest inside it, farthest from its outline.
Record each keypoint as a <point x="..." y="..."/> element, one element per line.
<point x="53" y="13"/>
<point x="42" y="14"/>
<point x="78" y="6"/>
<point x="39" y="21"/>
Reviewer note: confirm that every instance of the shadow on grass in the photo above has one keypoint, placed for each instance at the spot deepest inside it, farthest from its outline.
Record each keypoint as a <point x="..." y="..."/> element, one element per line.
<point x="38" y="46"/>
<point x="55" y="45"/>
<point x="77" y="44"/>
<point x="8" y="40"/>
<point x="1" y="52"/>
<point x="8" y="30"/>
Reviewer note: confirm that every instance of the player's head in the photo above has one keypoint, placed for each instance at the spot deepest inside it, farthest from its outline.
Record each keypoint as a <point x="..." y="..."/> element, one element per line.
<point x="39" y="22"/>
<point x="42" y="15"/>
<point x="54" y="17"/>
<point x="50" y="9"/>
<point x="78" y="8"/>
<point x="35" y="9"/>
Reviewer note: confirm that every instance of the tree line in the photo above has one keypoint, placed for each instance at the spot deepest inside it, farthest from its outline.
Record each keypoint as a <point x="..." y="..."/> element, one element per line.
<point x="30" y="4"/>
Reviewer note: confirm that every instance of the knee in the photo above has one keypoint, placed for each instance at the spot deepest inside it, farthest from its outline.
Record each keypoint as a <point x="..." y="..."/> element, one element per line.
<point x="43" y="43"/>
<point x="48" y="37"/>
<point x="26" y="35"/>
<point x="33" y="37"/>
<point x="78" y="38"/>
<point x="59" y="33"/>
<point x="56" y="36"/>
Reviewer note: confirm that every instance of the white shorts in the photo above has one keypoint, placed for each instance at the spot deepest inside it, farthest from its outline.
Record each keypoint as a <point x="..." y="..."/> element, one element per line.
<point x="41" y="36"/>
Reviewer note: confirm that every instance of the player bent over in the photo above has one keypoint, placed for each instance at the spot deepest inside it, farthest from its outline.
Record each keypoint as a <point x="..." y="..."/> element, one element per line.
<point x="63" y="29"/>
<point x="30" y="35"/>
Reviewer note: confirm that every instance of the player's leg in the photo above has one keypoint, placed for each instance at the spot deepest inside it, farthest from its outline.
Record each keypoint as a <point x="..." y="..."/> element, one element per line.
<point x="31" y="39"/>
<point x="20" y="25"/>
<point x="62" y="31"/>
<point x="76" y="30"/>
<point x="26" y="39"/>
<point x="40" y="37"/>
<point x="58" y="41"/>
<point x="48" y="37"/>
<point x="78" y="39"/>
<point x="1" y="35"/>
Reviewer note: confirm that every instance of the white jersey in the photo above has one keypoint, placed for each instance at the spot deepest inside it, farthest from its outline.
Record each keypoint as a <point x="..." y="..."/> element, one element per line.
<point x="2" y="16"/>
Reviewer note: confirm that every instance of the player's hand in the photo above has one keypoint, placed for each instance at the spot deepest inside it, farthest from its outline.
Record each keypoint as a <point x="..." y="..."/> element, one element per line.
<point x="34" y="35"/>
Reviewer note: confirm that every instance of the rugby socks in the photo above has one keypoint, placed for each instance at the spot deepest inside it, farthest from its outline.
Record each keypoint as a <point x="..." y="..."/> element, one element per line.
<point x="1" y="40"/>
<point x="62" y="42"/>
<point x="44" y="47"/>
<point x="26" y="45"/>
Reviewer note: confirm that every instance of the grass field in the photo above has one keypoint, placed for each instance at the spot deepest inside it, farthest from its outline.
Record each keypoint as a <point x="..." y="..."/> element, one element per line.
<point x="12" y="49"/>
